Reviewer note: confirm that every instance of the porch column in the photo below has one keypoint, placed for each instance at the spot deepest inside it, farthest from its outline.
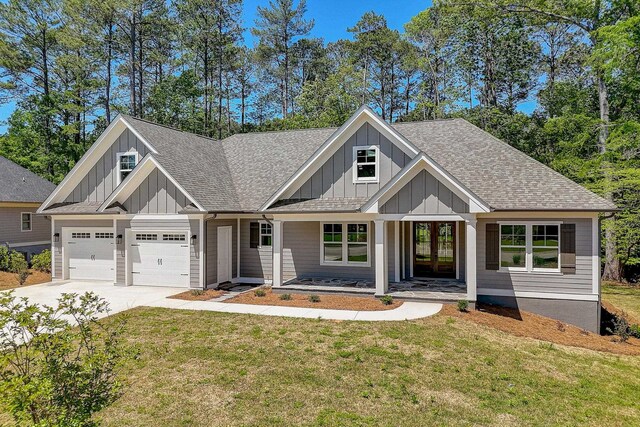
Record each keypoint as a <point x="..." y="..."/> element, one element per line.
<point x="382" y="279"/>
<point x="396" y="251"/>
<point x="277" y="253"/>
<point x="470" y="259"/>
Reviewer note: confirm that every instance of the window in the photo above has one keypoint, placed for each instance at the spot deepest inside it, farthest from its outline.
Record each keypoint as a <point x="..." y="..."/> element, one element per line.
<point x="545" y="243"/>
<point x="345" y="244"/>
<point x="365" y="161"/>
<point x="174" y="237"/>
<point x="126" y="163"/>
<point x="104" y="235"/>
<point x="80" y="235"/>
<point x="25" y="219"/>
<point x="265" y="234"/>
<point x="530" y="247"/>
<point x="513" y="246"/>
<point x="145" y="236"/>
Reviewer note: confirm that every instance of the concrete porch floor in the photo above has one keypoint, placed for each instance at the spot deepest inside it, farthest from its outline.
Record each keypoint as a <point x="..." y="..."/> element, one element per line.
<point x="414" y="288"/>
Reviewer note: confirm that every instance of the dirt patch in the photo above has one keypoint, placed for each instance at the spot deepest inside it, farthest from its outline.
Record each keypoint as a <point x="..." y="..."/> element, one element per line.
<point x="10" y="280"/>
<point x="334" y="302"/>
<point x="195" y="295"/>
<point x="525" y="324"/>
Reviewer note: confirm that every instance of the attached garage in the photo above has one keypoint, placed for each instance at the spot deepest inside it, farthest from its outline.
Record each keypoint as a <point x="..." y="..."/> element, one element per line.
<point x="158" y="258"/>
<point x="89" y="253"/>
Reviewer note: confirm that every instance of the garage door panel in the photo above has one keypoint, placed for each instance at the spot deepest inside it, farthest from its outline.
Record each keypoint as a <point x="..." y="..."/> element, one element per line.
<point x="90" y="254"/>
<point x="159" y="259"/>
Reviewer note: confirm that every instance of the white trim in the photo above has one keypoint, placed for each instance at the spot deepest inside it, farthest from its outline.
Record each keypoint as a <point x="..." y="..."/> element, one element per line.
<point x="276" y="253"/>
<point x="411" y="170"/>
<point x="471" y="259"/>
<point x="229" y="251"/>
<point x="30" y="222"/>
<point x="540" y="295"/>
<point x="403" y="267"/>
<point x="529" y="267"/>
<point x="411" y="244"/>
<point x="53" y="247"/>
<point x="129" y="235"/>
<point x="382" y="277"/>
<point x="23" y="244"/>
<point x="376" y="163"/>
<point x="396" y="251"/>
<point x="595" y="254"/>
<point x="118" y="166"/>
<point x="457" y="227"/>
<point x="260" y="235"/>
<point x="97" y="150"/>
<point x="331" y="145"/>
<point x="425" y="217"/>
<point x="345" y="245"/>
<point x="238" y="224"/>
<point x="532" y="215"/>
<point x="115" y="251"/>
<point x="202" y="254"/>
<point x="63" y="236"/>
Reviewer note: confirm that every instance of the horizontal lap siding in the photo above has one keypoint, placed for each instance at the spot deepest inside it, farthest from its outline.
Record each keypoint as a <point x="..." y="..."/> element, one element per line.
<point x="121" y="228"/>
<point x="102" y="178"/>
<point x="11" y="227"/>
<point x="579" y="283"/>
<point x="212" y="248"/>
<point x="57" y="246"/>
<point x="254" y="262"/>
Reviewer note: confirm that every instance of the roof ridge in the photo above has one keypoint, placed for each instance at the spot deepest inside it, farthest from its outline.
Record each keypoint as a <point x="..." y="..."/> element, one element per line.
<point x="278" y="131"/>
<point x="170" y="127"/>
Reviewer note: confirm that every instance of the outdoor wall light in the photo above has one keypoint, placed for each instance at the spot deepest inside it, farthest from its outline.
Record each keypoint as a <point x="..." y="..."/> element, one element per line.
<point x="118" y="239"/>
<point x="56" y="237"/>
<point x="193" y="239"/>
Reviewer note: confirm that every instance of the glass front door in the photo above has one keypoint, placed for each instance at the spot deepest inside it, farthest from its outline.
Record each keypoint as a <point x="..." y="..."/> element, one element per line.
<point x="434" y="249"/>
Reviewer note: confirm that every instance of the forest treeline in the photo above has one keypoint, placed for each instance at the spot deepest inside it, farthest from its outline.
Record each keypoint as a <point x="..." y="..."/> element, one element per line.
<point x="71" y="65"/>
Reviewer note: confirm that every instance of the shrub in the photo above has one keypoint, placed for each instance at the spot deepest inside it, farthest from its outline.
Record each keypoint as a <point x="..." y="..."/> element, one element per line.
<point x="386" y="300"/>
<point x="621" y="327"/>
<point x="285" y="297"/>
<point x="42" y="261"/>
<point x="260" y="293"/>
<point x="463" y="305"/>
<point x="314" y="298"/>
<point x="634" y="330"/>
<point x="19" y="266"/>
<point x="197" y="292"/>
<point x="61" y="378"/>
<point x="4" y="258"/>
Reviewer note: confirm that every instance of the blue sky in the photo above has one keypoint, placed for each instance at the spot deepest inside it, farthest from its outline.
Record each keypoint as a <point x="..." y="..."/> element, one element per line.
<point x="332" y="18"/>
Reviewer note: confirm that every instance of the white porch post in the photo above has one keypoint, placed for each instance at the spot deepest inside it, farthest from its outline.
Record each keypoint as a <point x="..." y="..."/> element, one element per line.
<point x="382" y="279"/>
<point x="277" y="253"/>
<point x="470" y="259"/>
<point x="396" y="251"/>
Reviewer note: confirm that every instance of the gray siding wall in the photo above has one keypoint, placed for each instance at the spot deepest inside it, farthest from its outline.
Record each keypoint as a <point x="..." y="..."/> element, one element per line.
<point x="424" y="194"/>
<point x="121" y="228"/>
<point x="57" y="246"/>
<point x="11" y="223"/>
<point x="102" y="179"/>
<point x="212" y="248"/>
<point x="156" y="194"/>
<point x="335" y="177"/>
<point x="579" y="283"/>
<point x="254" y="262"/>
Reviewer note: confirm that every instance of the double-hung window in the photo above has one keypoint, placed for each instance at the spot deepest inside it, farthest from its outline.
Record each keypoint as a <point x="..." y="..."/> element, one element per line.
<point x="126" y="163"/>
<point x="365" y="167"/>
<point x="26" y="221"/>
<point x="345" y="244"/>
<point x="532" y="247"/>
<point x="265" y="234"/>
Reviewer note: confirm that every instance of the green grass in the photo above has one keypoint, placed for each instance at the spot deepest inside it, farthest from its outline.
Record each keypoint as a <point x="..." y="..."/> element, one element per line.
<point x="204" y="368"/>
<point x="624" y="297"/>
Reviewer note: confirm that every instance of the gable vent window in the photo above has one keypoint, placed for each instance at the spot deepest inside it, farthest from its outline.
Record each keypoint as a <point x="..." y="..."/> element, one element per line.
<point x="365" y="168"/>
<point x="126" y="163"/>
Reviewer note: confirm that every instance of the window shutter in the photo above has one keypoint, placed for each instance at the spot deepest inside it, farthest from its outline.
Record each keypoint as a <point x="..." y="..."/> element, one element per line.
<point x="493" y="247"/>
<point x="254" y="234"/>
<point x="568" y="248"/>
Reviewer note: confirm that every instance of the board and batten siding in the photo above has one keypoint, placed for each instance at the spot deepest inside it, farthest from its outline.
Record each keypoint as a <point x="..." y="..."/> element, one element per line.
<point x="212" y="248"/>
<point x="102" y="178"/>
<point x="579" y="283"/>
<point x="335" y="178"/>
<point x="156" y="195"/>
<point x="11" y="227"/>
<point x="424" y="194"/>
<point x="57" y="246"/>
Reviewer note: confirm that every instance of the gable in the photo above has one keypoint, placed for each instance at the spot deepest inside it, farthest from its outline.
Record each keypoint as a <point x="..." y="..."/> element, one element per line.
<point x="334" y="179"/>
<point x="156" y="194"/>
<point x="424" y="194"/>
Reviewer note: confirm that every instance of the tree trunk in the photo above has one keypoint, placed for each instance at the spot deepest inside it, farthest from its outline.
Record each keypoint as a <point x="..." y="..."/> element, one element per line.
<point x="132" y="64"/>
<point x="107" y="90"/>
<point x="47" y="95"/>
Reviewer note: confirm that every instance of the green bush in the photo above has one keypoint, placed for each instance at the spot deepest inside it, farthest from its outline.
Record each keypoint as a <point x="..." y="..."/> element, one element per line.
<point x="463" y="305"/>
<point x="197" y="292"/>
<point x="42" y="261"/>
<point x="260" y="293"/>
<point x="18" y="265"/>
<point x="4" y="258"/>
<point x="634" y="330"/>
<point x="314" y="298"/>
<point x="386" y="300"/>
<point x="621" y="327"/>
<point x="285" y="297"/>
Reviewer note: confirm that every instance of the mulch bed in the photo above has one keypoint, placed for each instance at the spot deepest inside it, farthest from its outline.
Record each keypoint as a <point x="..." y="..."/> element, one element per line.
<point x="334" y="302"/>
<point x="525" y="324"/>
<point x="10" y="280"/>
<point x="198" y="296"/>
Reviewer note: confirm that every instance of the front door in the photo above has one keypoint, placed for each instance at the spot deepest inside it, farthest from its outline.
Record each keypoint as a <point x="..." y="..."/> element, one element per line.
<point x="434" y="249"/>
<point x="224" y="254"/>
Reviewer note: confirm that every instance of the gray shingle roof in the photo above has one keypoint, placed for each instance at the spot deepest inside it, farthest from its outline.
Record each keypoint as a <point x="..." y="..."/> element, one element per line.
<point x="21" y="185"/>
<point x="82" y="208"/>
<point x="349" y="204"/>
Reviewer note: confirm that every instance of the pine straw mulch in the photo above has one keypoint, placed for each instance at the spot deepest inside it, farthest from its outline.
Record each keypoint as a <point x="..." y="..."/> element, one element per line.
<point x="525" y="324"/>
<point x="10" y="280"/>
<point x="194" y="295"/>
<point x="334" y="302"/>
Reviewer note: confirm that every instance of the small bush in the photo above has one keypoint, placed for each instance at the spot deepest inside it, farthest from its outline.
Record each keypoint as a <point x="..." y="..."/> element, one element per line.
<point x="42" y="261"/>
<point x="463" y="305"/>
<point x="386" y="300"/>
<point x="197" y="292"/>
<point x="19" y="266"/>
<point x="621" y="327"/>
<point x="260" y="293"/>
<point x="285" y="297"/>
<point x="4" y="258"/>
<point x="634" y="330"/>
<point x="314" y="298"/>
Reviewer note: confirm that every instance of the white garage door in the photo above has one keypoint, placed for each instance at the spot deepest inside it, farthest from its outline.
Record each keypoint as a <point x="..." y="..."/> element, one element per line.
<point x="159" y="258"/>
<point x="90" y="254"/>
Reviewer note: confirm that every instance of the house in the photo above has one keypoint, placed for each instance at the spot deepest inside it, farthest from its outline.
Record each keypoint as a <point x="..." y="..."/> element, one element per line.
<point x="427" y="210"/>
<point x="21" y="193"/>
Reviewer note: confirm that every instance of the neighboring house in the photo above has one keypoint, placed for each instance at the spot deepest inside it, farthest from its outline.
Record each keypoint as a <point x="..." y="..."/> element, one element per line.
<point x="21" y="193"/>
<point x="432" y="210"/>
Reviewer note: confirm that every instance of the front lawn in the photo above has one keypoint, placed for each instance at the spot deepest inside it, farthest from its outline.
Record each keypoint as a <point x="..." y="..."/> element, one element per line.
<point x="205" y="368"/>
<point x="624" y="297"/>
